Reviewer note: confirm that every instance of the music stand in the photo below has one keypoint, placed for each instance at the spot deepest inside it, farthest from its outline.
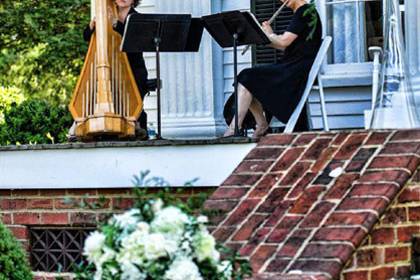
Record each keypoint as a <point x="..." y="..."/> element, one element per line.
<point x="161" y="33"/>
<point x="233" y="29"/>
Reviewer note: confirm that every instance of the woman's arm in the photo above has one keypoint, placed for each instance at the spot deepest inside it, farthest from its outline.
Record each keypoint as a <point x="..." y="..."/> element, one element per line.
<point x="280" y="42"/>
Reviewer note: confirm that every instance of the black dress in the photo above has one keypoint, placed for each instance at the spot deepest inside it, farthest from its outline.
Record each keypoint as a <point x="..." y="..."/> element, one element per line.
<point x="280" y="86"/>
<point x="137" y="64"/>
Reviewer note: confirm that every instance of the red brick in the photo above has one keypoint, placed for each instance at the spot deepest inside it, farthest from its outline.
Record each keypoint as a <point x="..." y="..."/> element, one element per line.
<point x="405" y="234"/>
<point x="395" y="216"/>
<point x="340" y="138"/>
<point x="356" y="275"/>
<point x="295" y="173"/>
<point x="82" y="218"/>
<point x="241" y="180"/>
<point x="306" y="201"/>
<point x="403" y="271"/>
<point x="414" y="214"/>
<point x="353" y="235"/>
<point x="323" y="159"/>
<point x="13" y="204"/>
<point x="395" y="254"/>
<point x="273" y="200"/>
<point x="72" y="203"/>
<point x="304" y="139"/>
<point x="369" y="257"/>
<point x="331" y="267"/>
<point x="247" y="229"/>
<point x="382" y="273"/>
<point x="19" y="232"/>
<point x="301" y="185"/>
<point x="278" y="235"/>
<point x="277" y="140"/>
<point x="40" y="204"/>
<point x="26" y="218"/>
<point x="283" y="228"/>
<point x="398" y="176"/>
<point x="5" y="193"/>
<point x="264" y="186"/>
<point x="223" y="233"/>
<point x="400" y="148"/>
<point x="6" y="218"/>
<point x="249" y="166"/>
<point x="242" y="212"/>
<point x="341" y="186"/>
<point x="22" y="193"/>
<point x="287" y="159"/>
<point x="316" y="149"/>
<point x="262" y="254"/>
<point x="377" y="138"/>
<point x="364" y="219"/>
<point x="122" y="203"/>
<point x="409" y="162"/>
<point x="108" y="192"/>
<point x="349" y="147"/>
<point x="339" y="251"/>
<point x="52" y="192"/>
<point x="229" y="193"/>
<point x="405" y="135"/>
<point x="278" y="212"/>
<point x="264" y="153"/>
<point x="416" y="177"/>
<point x="293" y="243"/>
<point x="387" y="190"/>
<point x="314" y="218"/>
<point x="383" y="236"/>
<point x="277" y="265"/>
<point x="81" y="192"/>
<point x="55" y="218"/>
<point x="362" y="203"/>
<point x="409" y="194"/>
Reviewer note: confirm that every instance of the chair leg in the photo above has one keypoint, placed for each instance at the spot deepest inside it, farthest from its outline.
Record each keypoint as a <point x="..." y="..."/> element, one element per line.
<point x="323" y="107"/>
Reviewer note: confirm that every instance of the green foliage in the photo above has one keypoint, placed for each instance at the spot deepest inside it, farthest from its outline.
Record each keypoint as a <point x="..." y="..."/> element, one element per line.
<point x="13" y="262"/>
<point x="312" y="12"/>
<point x="8" y="96"/>
<point x="41" y="46"/>
<point x="35" y="122"/>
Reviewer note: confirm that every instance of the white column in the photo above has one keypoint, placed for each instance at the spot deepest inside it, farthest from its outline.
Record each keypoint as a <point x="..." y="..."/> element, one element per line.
<point x="412" y="34"/>
<point x="192" y="94"/>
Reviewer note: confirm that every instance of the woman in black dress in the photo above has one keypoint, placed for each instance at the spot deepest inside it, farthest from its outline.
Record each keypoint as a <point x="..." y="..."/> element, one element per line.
<point x="136" y="60"/>
<point x="277" y="88"/>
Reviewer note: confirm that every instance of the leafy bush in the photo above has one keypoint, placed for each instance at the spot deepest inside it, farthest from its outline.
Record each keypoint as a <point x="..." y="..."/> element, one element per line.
<point x="41" y="46"/>
<point x="8" y="96"/>
<point x="13" y="262"/>
<point x="35" y="122"/>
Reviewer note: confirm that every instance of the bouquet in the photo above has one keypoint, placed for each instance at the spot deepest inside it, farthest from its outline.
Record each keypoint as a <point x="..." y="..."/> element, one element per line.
<point x="156" y="242"/>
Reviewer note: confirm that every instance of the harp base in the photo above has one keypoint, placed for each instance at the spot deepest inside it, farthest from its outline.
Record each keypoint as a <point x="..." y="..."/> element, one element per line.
<point x="107" y="124"/>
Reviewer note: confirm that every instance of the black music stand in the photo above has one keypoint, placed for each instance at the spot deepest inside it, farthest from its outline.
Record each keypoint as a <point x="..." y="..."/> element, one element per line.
<point x="161" y="33"/>
<point x="233" y="29"/>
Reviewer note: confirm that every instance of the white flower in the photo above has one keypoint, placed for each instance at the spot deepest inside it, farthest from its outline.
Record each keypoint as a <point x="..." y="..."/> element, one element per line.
<point x="154" y="246"/>
<point x="225" y="267"/>
<point x="143" y="227"/>
<point x="131" y="272"/>
<point x="132" y="247"/>
<point x="171" y="222"/>
<point x="157" y="205"/>
<point x="205" y="247"/>
<point x="183" y="269"/>
<point x="93" y="246"/>
<point x="202" y="219"/>
<point x="128" y="219"/>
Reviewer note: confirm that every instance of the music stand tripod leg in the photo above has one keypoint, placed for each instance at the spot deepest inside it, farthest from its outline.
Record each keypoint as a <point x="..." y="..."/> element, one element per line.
<point x="235" y="77"/>
<point x="157" y="43"/>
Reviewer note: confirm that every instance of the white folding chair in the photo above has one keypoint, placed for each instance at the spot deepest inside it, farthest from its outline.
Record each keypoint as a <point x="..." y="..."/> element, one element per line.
<point x="313" y="74"/>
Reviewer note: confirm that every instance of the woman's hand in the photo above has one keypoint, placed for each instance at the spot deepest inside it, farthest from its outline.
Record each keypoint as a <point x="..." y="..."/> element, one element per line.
<point x="111" y="17"/>
<point x="92" y="24"/>
<point x="267" y="28"/>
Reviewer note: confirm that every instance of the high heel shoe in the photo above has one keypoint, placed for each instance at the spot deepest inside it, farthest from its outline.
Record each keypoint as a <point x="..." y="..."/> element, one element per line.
<point x="260" y="131"/>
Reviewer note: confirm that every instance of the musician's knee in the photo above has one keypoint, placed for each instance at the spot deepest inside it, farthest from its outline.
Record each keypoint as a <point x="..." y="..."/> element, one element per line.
<point x="245" y="75"/>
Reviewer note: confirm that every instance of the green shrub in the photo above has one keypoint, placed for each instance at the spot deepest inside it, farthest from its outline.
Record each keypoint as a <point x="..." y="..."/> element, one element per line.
<point x="8" y="96"/>
<point x="13" y="262"/>
<point x="35" y="122"/>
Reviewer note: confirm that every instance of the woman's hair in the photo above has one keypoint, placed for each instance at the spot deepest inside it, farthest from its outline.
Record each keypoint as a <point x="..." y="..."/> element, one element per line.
<point x="136" y="3"/>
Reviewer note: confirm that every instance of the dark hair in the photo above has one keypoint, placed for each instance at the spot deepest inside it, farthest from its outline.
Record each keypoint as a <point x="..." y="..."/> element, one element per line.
<point x="136" y="3"/>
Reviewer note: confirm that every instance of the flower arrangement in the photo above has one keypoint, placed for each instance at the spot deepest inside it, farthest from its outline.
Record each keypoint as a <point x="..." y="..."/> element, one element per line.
<point x="157" y="241"/>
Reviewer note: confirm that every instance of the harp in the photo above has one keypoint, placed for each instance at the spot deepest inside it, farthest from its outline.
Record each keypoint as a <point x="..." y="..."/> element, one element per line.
<point x="106" y="100"/>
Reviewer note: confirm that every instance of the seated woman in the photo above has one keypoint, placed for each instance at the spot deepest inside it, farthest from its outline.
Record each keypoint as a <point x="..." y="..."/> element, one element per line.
<point x="136" y="60"/>
<point x="277" y="88"/>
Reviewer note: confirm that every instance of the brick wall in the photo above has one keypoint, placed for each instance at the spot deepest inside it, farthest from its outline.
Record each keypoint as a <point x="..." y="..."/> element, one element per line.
<point x="386" y="252"/>
<point x="22" y="209"/>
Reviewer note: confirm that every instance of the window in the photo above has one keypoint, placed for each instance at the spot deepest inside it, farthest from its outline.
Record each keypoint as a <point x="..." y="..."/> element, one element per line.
<point x="56" y="249"/>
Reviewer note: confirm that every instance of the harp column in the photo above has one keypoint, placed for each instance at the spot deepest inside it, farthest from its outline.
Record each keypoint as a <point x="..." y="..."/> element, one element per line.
<point x="192" y="94"/>
<point x="412" y="34"/>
